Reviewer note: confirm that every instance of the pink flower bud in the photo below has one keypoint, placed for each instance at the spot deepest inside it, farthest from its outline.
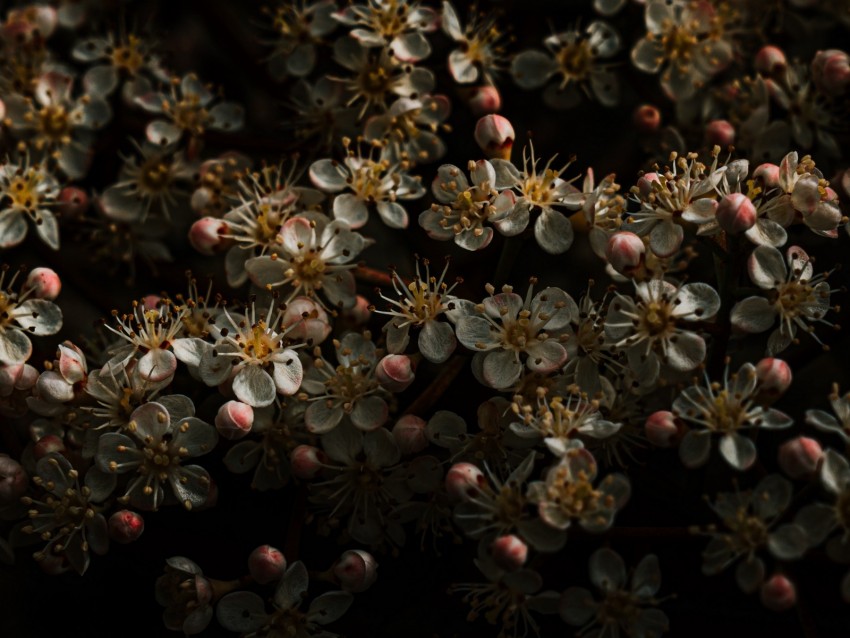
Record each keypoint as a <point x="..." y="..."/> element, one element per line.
<point x="736" y="213"/>
<point x="360" y="313"/>
<point x="27" y="379"/>
<point x="307" y="461"/>
<point x="720" y="132"/>
<point x="645" y="182"/>
<point x="768" y="173"/>
<point x="395" y="372"/>
<point x="647" y="118"/>
<point x="409" y="434"/>
<point x="831" y="71"/>
<point x="151" y="302"/>
<point x="778" y="593"/>
<point x="464" y="481"/>
<point x="48" y="444"/>
<point x="770" y="60"/>
<point x="73" y="202"/>
<point x="509" y="552"/>
<point x="625" y="252"/>
<point x="234" y="420"/>
<point x="495" y="136"/>
<point x="308" y="319"/>
<point x="266" y="564"/>
<point x="207" y="236"/>
<point x="484" y="100"/>
<point x="126" y="526"/>
<point x="356" y="570"/>
<point x="13" y="481"/>
<point x="774" y="376"/>
<point x="662" y="429"/>
<point x="44" y="283"/>
<point x="799" y="458"/>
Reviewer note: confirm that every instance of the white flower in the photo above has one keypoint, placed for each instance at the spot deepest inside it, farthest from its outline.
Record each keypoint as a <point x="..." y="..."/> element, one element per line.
<point x="409" y="128"/>
<point x="19" y="317"/>
<point x="27" y="191"/>
<point x="298" y="28"/>
<point x="395" y="24"/>
<point x="480" y="52"/>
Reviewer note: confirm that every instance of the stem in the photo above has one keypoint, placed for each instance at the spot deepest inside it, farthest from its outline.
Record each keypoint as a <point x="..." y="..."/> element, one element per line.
<point x="507" y="258"/>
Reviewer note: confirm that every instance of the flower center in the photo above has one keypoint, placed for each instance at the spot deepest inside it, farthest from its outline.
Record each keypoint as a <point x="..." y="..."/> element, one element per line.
<point x="575" y="60"/>
<point x="656" y="318"/>
<point x="574" y="495"/>
<point x="792" y="297"/>
<point x="750" y="531"/>
<point x="22" y="191"/>
<point x="618" y="607"/>
<point x="726" y="414"/>
<point x="367" y="181"/>
<point x="154" y="177"/>
<point x="510" y="504"/>
<point x="189" y="115"/>
<point x="129" y="57"/>
<point x="678" y="43"/>
<point x="349" y="384"/>
<point x="54" y="124"/>
<point x="309" y="269"/>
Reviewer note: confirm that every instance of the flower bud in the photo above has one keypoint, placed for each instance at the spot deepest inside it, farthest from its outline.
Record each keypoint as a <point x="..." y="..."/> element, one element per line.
<point x="306" y="461"/>
<point x="207" y="236"/>
<point x="48" y="444"/>
<point x="483" y="100"/>
<point x="768" y="173"/>
<point x="409" y="434"/>
<point x="464" y="481"/>
<point x="720" y="132"/>
<point x="13" y="480"/>
<point x="662" y="429"/>
<point x="509" y="552"/>
<point x="774" y="377"/>
<point x="234" y="420"/>
<point x="27" y="378"/>
<point x="831" y="71"/>
<point x="356" y="570"/>
<point x="778" y="593"/>
<point x="736" y="213"/>
<point x="647" y="118"/>
<point x="770" y="60"/>
<point x="43" y="283"/>
<point x="126" y="526"/>
<point x="395" y="372"/>
<point x="73" y="202"/>
<point x="2" y="110"/>
<point x="151" y="302"/>
<point x="799" y="458"/>
<point x="308" y="319"/>
<point x="645" y="182"/>
<point x="360" y="313"/>
<point x="266" y="564"/>
<point x="495" y="136"/>
<point x="625" y="252"/>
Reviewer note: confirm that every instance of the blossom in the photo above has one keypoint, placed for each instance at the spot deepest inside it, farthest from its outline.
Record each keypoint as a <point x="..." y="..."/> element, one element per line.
<point x="20" y="316"/>
<point x="298" y="27"/>
<point x="628" y="609"/>
<point x="573" y="58"/>
<point x="398" y="25"/>
<point x="186" y="595"/>
<point x="725" y="408"/>
<point x="797" y="297"/>
<point x="27" y="190"/>
<point x="480" y="49"/>
<point x="409" y="129"/>
<point x="505" y="326"/>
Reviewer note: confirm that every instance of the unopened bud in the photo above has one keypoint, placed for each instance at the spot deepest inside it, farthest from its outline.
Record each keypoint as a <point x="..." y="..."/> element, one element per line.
<point x="736" y="213"/>
<point x="151" y="302"/>
<point x="778" y="593"/>
<point x="43" y="283"/>
<point x="307" y="461"/>
<point x="308" y="319"/>
<point x="395" y="372"/>
<point x="356" y="570"/>
<point x="360" y="313"/>
<point x="509" y="552"/>
<point x="774" y="377"/>
<point x="720" y="132"/>
<point x="645" y="182"/>
<point x="831" y="71"/>
<point x="464" y="481"/>
<point x="495" y="136"/>
<point x="625" y="252"/>
<point x="767" y="173"/>
<point x="484" y="100"/>
<point x="73" y="202"/>
<point x="662" y="429"/>
<point x="266" y="564"/>
<point x="799" y="458"/>
<point x="770" y="60"/>
<point x="647" y="118"/>
<point x="207" y="236"/>
<point x="13" y="480"/>
<point x="48" y="444"/>
<point x="126" y="526"/>
<point x="234" y="420"/>
<point x="409" y="434"/>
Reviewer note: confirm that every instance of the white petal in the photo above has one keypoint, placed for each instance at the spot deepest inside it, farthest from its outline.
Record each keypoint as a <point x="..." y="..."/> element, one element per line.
<point x="254" y="386"/>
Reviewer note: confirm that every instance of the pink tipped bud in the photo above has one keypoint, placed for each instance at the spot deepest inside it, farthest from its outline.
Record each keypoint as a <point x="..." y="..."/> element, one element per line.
<point x="43" y="283"/>
<point x="307" y="461"/>
<point x="27" y="379"/>
<point x="831" y="71"/>
<point x="767" y="173"/>
<point x="356" y="570"/>
<point x="625" y="252"/>
<point x="395" y="372"/>
<point x="266" y="564"/>
<point x="647" y="118"/>
<point x="409" y="434"/>
<point x="207" y="236"/>
<point x="234" y="420"/>
<point x="720" y="132"/>
<point x="774" y="376"/>
<point x="645" y="182"/>
<point x="736" y="213"/>
<point x="151" y="302"/>
<point x="495" y="136"/>
<point x="770" y="60"/>
<point x="778" y="593"/>
<point x="13" y="481"/>
<point x="799" y="458"/>
<point x="48" y="444"/>
<point x="360" y="313"/>
<point x="126" y="526"/>
<point x="509" y="552"/>
<point x="308" y="319"/>
<point x="464" y="481"/>
<point x="73" y="202"/>
<point x="484" y="100"/>
<point x="662" y="430"/>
